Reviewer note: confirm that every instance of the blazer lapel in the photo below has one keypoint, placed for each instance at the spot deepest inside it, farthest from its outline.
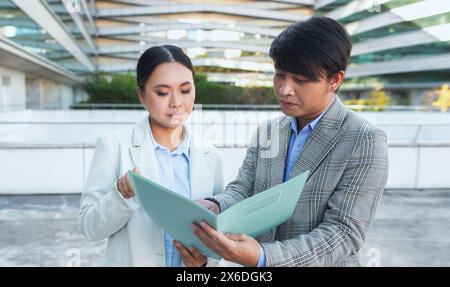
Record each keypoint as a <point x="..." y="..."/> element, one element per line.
<point x="322" y="140"/>
<point x="143" y="156"/>
<point x="276" y="151"/>
<point x="141" y="151"/>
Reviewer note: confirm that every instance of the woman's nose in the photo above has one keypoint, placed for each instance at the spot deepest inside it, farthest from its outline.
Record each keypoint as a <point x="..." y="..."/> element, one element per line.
<point x="175" y="101"/>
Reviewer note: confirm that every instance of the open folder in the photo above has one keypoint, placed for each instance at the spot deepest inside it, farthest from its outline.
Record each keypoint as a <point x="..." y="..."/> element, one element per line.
<point x="252" y="216"/>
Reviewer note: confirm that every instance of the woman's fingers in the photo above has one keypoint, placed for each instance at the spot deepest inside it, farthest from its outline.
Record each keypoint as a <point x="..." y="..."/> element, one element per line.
<point x="124" y="187"/>
<point x="121" y="188"/>
<point x="197" y="255"/>
<point x="129" y="185"/>
<point x="137" y="170"/>
<point x="191" y="257"/>
<point x="124" y="184"/>
<point x="185" y="254"/>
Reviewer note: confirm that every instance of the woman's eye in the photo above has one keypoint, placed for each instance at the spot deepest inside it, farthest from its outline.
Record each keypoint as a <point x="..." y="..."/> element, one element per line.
<point x="186" y="92"/>
<point x="162" y="94"/>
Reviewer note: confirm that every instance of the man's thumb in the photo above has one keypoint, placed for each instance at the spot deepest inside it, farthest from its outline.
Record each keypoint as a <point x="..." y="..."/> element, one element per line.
<point x="137" y="170"/>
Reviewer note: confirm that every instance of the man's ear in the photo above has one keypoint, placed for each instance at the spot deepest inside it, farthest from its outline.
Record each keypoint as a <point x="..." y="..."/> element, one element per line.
<point x="336" y="81"/>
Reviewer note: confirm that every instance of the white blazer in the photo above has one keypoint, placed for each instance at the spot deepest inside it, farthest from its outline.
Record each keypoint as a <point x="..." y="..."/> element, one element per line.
<point x="134" y="239"/>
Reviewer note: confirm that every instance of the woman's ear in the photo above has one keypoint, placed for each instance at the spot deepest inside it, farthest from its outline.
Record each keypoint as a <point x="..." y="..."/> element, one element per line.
<point x="140" y="94"/>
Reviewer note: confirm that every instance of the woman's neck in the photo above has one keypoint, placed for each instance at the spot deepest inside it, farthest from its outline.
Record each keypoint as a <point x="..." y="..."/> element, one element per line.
<point x="167" y="137"/>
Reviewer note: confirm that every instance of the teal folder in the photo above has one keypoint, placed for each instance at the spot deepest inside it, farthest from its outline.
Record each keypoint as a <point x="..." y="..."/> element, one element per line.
<point x="252" y="216"/>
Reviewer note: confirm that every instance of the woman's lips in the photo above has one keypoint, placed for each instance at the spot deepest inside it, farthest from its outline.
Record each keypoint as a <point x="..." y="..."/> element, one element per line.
<point x="177" y="117"/>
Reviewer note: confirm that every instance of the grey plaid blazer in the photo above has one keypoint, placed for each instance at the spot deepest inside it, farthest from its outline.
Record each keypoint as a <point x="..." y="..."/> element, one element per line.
<point x="348" y="162"/>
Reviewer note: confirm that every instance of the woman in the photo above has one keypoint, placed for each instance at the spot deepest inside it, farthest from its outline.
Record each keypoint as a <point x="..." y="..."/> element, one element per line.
<point x="160" y="148"/>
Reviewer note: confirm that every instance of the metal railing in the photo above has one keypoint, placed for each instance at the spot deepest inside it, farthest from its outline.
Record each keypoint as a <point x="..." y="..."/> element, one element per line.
<point x="247" y="107"/>
<point x="224" y="107"/>
<point x="214" y="107"/>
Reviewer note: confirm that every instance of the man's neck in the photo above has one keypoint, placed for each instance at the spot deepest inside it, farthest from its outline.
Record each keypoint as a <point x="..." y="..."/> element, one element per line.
<point x="303" y="121"/>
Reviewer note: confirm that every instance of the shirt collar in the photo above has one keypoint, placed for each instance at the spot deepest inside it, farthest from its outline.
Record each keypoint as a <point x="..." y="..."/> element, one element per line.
<point x="312" y="124"/>
<point x="183" y="148"/>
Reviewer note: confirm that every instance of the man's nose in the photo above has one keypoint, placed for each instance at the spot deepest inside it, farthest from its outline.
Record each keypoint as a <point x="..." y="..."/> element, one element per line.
<point x="286" y="88"/>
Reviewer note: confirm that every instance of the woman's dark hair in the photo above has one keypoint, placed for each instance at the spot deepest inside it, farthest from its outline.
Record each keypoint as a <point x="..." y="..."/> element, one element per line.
<point x="157" y="55"/>
<point x="314" y="48"/>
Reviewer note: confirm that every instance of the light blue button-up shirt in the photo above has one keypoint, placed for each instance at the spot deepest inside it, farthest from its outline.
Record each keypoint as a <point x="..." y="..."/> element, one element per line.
<point x="296" y="143"/>
<point x="173" y="169"/>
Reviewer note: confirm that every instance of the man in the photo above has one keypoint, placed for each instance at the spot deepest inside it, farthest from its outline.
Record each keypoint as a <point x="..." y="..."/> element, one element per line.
<point x="346" y="155"/>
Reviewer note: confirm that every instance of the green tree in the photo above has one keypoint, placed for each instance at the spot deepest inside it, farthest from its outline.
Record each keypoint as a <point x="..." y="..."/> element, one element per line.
<point x="118" y="88"/>
<point x="121" y="89"/>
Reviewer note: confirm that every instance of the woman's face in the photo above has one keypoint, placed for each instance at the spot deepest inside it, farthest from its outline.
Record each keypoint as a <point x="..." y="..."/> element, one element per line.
<point x="169" y="94"/>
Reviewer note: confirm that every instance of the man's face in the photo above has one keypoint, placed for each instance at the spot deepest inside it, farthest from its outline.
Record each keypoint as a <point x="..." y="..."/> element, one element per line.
<point x="300" y="97"/>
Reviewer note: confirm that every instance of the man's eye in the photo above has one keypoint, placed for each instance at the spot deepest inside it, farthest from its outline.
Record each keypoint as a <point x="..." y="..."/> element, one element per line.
<point x="279" y="75"/>
<point x="300" y="81"/>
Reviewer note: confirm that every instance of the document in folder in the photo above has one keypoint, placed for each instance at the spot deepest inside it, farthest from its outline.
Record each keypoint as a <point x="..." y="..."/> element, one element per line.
<point x="175" y="213"/>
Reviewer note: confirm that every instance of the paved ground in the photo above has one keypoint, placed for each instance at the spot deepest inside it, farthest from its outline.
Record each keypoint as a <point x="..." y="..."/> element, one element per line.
<point x="412" y="228"/>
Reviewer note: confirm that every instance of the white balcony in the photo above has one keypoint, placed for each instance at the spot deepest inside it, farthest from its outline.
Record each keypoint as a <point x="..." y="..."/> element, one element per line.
<point x="49" y="152"/>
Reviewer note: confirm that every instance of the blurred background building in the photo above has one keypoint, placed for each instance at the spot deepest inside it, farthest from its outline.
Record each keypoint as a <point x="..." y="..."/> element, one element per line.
<point x="67" y="76"/>
<point x="49" y="47"/>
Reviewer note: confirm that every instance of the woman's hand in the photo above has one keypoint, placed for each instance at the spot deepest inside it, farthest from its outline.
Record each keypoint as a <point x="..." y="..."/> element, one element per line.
<point x="124" y="184"/>
<point x="191" y="257"/>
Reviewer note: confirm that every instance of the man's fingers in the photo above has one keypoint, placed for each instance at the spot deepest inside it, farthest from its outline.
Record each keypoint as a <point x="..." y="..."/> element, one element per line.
<point x="204" y="238"/>
<point x="212" y="233"/>
<point x="211" y="241"/>
<point x="235" y="236"/>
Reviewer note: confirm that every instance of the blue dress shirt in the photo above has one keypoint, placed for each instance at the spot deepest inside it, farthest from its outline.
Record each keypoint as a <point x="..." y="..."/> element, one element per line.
<point x="173" y="169"/>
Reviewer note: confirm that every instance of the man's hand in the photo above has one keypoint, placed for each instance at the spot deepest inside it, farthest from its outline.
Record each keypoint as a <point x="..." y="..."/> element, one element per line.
<point x="191" y="257"/>
<point x="239" y="248"/>
<point x="208" y="204"/>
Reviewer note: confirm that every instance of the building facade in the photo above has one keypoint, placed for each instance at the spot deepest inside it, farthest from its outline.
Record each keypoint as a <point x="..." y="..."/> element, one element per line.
<point x="47" y="47"/>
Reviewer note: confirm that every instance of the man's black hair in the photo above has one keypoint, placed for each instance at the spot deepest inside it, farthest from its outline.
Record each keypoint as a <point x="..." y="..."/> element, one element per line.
<point x="316" y="48"/>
